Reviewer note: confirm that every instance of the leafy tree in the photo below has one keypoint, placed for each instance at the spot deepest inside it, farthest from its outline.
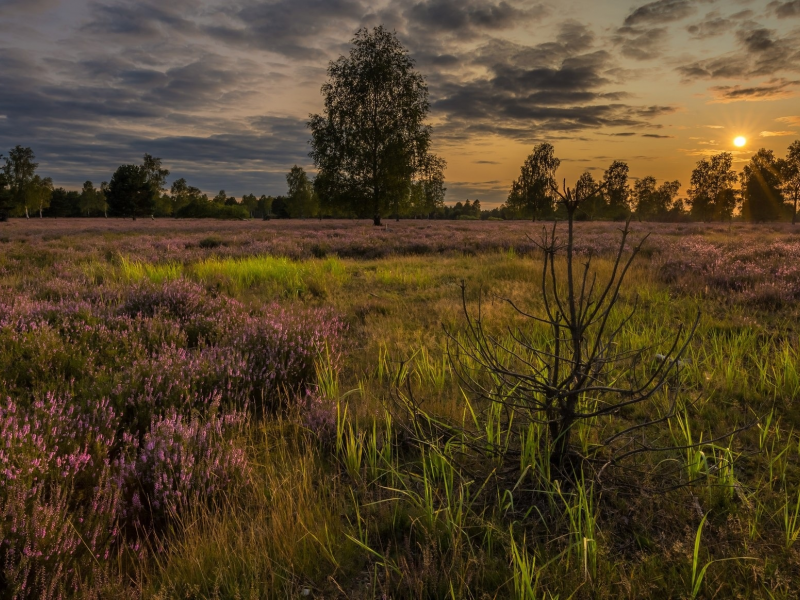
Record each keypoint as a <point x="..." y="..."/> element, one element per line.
<point x="761" y="188"/>
<point x="265" y="205"/>
<point x="19" y="170"/>
<point x="156" y="174"/>
<point x="38" y="194"/>
<point x="790" y="174"/>
<point x="220" y="198"/>
<point x="130" y="192"/>
<point x="280" y="207"/>
<point x="64" y="203"/>
<point x="250" y="202"/>
<point x="371" y="139"/>
<point x="302" y="201"/>
<point x="427" y="190"/>
<point x="616" y="190"/>
<point x="182" y="194"/>
<point x="594" y="203"/>
<point x="92" y="201"/>
<point x="654" y="202"/>
<point x="532" y="192"/>
<point x="711" y="193"/>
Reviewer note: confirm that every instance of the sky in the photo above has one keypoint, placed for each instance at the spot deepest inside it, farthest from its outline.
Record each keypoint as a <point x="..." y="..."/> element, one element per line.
<point x="222" y="90"/>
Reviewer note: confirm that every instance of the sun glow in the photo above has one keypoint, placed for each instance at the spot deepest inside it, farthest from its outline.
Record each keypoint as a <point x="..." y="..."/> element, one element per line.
<point x="739" y="141"/>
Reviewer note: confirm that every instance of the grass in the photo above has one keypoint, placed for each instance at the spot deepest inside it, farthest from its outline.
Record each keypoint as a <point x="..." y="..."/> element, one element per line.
<point x="367" y="511"/>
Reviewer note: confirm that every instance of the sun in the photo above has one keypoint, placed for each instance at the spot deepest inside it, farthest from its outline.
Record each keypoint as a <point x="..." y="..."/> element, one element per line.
<point x="740" y="141"/>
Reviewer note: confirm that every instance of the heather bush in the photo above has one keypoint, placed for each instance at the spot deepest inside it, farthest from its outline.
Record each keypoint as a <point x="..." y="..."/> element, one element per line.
<point x="124" y="408"/>
<point x="180" y="462"/>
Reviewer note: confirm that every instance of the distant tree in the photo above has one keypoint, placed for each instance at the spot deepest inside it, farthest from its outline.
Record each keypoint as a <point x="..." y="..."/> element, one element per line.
<point x="264" y="206"/>
<point x="594" y="203"/>
<point x="531" y="193"/>
<point x="427" y="190"/>
<point x="654" y="202"/>
<point x="19" y="170"/>
<point x="280" y="207"/>
<point x="371" y="140"/>
<point x="156" y="174"/>
<point x="231" y="201"/>
<point x="130" y="192"/>
<point x="92" y="201"/>
<point x="790" y="176"/>
<point x="220" y="198"/>
<point x="182" y="194"/>
<point x="616" y="190"/>
<point x="4" y="200"/>
<point x="301" y="200"/>
<point x="761" y="188"/>
<point x="38" y="194"/>
<point x="711" y="194"/>
<point x="250" y="202"/>
<point x="64" y="203"/>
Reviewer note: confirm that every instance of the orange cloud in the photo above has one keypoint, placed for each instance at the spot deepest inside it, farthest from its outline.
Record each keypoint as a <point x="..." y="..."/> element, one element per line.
<point x="776" y="133"/>
<point x="774" y="89"/>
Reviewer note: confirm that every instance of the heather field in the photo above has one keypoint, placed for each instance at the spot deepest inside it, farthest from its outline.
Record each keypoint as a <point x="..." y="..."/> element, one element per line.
<point x="283" y="409"/>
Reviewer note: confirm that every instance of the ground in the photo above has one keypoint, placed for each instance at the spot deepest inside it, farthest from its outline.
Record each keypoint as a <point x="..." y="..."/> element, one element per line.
<point x="232" y="400"/>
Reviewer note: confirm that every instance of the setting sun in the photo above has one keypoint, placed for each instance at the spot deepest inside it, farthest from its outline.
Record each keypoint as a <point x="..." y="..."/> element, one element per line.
<point x="740" y="141"/>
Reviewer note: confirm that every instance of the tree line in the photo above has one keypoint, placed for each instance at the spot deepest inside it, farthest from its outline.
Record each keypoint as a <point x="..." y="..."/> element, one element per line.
<point x="139" y="190"/>
<point x="766" y="189"/>
<point x="371" y="147"/>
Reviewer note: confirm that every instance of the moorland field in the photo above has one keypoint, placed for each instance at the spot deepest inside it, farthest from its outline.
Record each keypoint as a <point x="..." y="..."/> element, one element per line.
<point x="203" y="409"/>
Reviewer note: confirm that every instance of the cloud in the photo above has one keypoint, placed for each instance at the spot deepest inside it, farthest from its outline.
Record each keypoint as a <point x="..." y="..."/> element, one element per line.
<point x="761" y="52"/>
<point x="789" y="120"/>
<point x="26" y="6"/>
<point x="785" y="9"/>
<point x="530" y="91"/>
<point x="776" y="133"/>
<point x="641" y="44"/>
<point x="658" y="137"/>
<point x="464" y="16"/>
<point x="661" y="11"/>
<point x="775" y="89"/>
<point x="294" y="28"/>
<point x="714" y="25"/>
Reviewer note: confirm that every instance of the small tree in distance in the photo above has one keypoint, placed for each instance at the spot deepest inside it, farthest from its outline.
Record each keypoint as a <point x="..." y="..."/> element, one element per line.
<point x="130" y="193"/>
<point x="302" y="199"/>
<point x="712" y="195"/>
<point x="532" y="192"/>
<point x="790" y="173"/>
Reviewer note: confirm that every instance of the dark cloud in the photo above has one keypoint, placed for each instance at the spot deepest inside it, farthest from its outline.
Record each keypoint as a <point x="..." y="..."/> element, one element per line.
<point x="775" y="89"/>
<point x="26" y="6"/>
<point x="294" y="28"/>
<point x="661" y="11"/>
<point x="762" y="52"/>
<point x="143" y="20"/>
<point x="641" y="44"/>
<point x="464" y="16"/>
<point x="714" y="25"/>
<point x="657" y="136"/>
<point x="534" y="91"/>
<point x="786" y="9"/>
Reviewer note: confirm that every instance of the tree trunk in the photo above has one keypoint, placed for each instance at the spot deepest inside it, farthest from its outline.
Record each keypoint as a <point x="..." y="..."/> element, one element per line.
<point x="794" y="214"/>
<point x="27" y="216"/>
<point x="376" y="220"/>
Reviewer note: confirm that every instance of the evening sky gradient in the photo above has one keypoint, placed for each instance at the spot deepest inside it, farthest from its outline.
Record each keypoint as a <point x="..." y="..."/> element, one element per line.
<point x="221" y="90"/>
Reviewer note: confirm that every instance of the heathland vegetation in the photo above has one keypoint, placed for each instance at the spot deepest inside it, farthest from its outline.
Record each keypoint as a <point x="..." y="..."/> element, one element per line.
<point x="324" y="408"/>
